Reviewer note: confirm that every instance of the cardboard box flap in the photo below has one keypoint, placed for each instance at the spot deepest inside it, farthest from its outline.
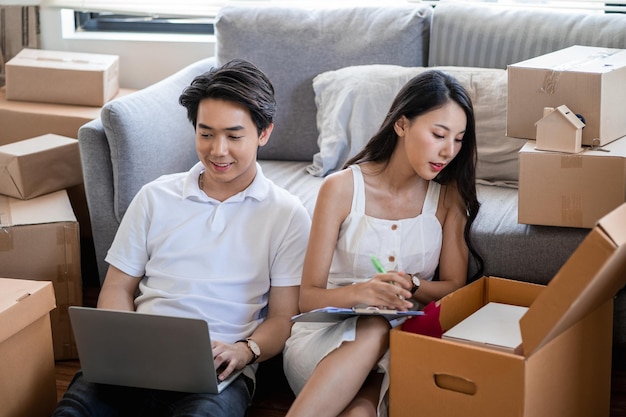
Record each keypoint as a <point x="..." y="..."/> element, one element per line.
<point x="22" y="302"/>
<point x="50" y="208"/>
<point x="594" y="273"/>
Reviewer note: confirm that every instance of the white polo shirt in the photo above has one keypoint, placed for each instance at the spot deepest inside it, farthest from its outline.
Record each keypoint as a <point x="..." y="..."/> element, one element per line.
<point x="203" y="258"/>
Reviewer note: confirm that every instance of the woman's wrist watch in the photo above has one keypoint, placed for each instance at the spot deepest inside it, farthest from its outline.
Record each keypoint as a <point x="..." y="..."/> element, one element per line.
<point x="416" y="283"/>
<point x="254" y="348"/>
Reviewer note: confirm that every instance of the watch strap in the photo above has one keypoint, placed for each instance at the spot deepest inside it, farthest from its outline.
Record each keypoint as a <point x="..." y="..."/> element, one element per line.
<point x="254" y="355"/>
<point x="415" y="286"/>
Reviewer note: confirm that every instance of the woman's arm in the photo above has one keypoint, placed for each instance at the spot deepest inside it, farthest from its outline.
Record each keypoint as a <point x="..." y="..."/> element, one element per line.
<point x="454" y="252"/>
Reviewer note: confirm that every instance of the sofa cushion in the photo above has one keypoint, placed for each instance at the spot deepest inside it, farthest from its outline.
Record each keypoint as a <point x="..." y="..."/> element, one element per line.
<point x="294" y="44"/>
<point x="479" y="35"/>
<point x="352" y="103"/>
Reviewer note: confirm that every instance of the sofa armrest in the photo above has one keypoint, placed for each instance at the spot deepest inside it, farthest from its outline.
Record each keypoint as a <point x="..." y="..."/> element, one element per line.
<point x="97" y="175"/>
<point x="138" y="138"/>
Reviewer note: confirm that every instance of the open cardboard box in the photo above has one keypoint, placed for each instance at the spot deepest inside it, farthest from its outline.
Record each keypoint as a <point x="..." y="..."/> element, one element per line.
<point x="27" y="380"/>
<point x="564" y="368"/>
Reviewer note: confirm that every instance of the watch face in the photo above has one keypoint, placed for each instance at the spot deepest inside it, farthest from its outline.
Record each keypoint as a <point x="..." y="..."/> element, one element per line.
<point x="416" y="280"/>
<point x="254" y="347"/>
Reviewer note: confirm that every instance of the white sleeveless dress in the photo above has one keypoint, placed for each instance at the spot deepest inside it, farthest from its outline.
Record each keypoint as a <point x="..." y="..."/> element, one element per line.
<point x="411" y="245"/>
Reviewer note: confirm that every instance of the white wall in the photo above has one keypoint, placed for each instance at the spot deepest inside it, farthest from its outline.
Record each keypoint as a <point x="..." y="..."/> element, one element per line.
<point x="144" y="59"/>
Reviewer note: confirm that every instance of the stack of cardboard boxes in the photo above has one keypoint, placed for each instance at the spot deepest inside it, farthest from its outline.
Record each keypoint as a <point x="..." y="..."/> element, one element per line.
<point x="570" y="105"/>
<point x="48" y="95"/>
<point x="572" y="173"/>
<point x="53" y="92"/>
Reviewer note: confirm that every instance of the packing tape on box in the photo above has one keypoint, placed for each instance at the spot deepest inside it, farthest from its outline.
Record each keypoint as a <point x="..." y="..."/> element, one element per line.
<point x="571" y="161"/>
<point x="572" y="209"/>
<point x="571" y="205"/>
<point x="71" y="251"/>
<point x="552" y="76"/>
<point x="5" y="212"/>
<point x="6" y="237"/>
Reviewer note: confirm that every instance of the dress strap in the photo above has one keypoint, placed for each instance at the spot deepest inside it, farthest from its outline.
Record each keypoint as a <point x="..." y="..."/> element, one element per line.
<point x="358" y="193"/>
<point x="432" y="198"/>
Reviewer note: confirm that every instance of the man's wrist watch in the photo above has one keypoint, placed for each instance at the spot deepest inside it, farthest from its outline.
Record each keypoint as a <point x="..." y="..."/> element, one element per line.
<point x="254" y="348"/>
<point x="416" y="283"/>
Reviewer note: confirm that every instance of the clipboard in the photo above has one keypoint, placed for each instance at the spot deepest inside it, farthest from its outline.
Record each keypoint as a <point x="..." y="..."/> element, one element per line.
<point x="335" y="314"/>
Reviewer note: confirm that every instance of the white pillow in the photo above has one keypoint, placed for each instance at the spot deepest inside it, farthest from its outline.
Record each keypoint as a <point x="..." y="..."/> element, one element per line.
<point x="353" y="101"/>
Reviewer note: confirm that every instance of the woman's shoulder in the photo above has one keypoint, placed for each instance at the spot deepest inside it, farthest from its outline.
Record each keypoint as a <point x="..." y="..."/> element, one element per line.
<point x="337" y="190"/>
<point x="339" y="180"/>
<point x="450" y="199"/>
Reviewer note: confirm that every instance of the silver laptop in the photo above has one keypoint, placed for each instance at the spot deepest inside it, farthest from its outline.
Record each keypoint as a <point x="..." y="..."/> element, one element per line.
<point x="145" y="350"/>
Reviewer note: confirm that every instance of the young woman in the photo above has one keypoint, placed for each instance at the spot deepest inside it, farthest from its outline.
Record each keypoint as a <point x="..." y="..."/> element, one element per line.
<point x="408" y="198"/>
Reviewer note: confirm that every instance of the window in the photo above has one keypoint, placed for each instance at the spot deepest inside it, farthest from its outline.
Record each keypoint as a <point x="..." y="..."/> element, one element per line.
<point x="112" y="22"/>
<point x="142" y="16"/>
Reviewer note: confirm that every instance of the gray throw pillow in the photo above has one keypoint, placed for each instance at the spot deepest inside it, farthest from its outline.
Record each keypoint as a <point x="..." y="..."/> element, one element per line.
<point x="294" y="44"/>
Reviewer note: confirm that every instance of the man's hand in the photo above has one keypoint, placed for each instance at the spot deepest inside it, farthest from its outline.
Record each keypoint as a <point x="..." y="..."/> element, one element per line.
<point x="229" y="357"/>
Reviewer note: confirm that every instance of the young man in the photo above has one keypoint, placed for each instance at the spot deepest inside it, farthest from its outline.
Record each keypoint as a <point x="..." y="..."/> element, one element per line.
<point x="220" y="238"/>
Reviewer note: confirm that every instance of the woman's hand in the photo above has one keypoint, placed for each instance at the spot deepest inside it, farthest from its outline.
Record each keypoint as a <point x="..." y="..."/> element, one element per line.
<point x="388" y="290"/>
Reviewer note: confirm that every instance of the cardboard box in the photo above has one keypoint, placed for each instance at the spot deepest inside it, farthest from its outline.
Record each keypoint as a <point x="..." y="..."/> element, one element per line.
<point x="24" y="120"/>
<point x="39" y="240"/>
<point x="62" y="77"/>
<point x="21" y="120"/>
<point x="19" y="26"/>
<point x="27" y="380"/>
<point x="571" y="190"/>
<point x="37" y="166"/>
<point x="590" y="81"/>
<point x="565" y="365"/>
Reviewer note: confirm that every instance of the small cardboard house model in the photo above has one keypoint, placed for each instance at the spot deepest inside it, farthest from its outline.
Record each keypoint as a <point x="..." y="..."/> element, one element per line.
<point x="559" y="130"/>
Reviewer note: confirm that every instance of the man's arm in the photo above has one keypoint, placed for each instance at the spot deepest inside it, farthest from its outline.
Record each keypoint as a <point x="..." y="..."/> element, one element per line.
<point x="118" y="290"/>
<point x="274" y="331"/>
<point x="270" y="335"/>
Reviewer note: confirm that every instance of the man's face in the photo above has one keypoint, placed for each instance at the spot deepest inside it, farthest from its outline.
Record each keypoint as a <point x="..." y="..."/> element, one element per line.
<point x="227" y="143"/>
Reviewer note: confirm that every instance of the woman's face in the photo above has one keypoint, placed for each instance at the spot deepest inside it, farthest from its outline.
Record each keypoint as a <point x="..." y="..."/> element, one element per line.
<point x="433" y="139"/>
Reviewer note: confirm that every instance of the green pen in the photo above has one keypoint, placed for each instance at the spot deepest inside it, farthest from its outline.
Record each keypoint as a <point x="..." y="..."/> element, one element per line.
<point x="381" y="270"/>
<point x="378" y="265"/>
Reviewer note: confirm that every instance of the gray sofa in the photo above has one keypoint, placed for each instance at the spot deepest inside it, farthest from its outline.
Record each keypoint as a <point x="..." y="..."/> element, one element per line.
<point x="146" y="134"/>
